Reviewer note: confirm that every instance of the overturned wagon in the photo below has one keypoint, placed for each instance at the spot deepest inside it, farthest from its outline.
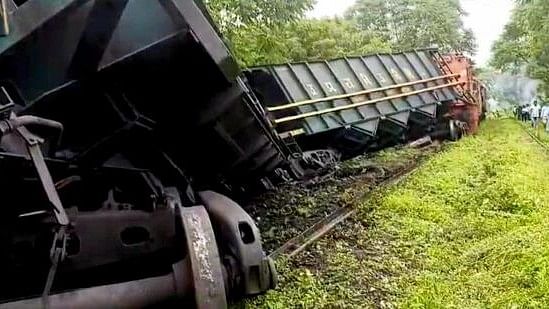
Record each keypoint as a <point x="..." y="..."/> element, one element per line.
<point x="112" y="114"/>
<point x="116" y="116"/>
<point x="358" y="104"/>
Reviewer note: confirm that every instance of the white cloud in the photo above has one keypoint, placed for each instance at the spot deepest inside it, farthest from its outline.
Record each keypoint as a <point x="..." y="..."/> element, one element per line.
<point x="487" y="18"/>
<point x="330" y="8"/>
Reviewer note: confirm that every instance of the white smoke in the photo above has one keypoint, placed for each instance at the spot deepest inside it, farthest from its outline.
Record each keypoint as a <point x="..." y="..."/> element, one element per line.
<point x="506" y="91"/>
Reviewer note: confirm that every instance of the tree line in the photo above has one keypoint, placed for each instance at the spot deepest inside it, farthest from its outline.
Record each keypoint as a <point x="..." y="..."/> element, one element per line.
<point x="524" y="45"/>
<point x="276" y="31"/>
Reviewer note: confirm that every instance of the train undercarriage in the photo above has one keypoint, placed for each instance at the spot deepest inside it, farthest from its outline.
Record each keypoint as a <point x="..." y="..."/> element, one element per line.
<point x="107" y="194"/>
<point x="116" y="236"/>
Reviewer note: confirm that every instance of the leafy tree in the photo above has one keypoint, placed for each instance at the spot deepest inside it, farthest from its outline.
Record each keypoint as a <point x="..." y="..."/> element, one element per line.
<point x="410" y="24"/>
<point x="255" y="29"/>
<point x="523" y="46"/>
<point x="304" y="40"/>
<point x="232" y="15"/>
<point x="325" y="38"/>
<point x="275" y="31"/>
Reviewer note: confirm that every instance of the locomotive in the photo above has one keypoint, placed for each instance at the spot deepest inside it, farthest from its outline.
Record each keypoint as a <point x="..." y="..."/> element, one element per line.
<point x="126" y="124"/>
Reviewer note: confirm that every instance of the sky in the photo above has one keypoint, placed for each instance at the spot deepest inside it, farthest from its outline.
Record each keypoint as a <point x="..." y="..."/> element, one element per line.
<point x="485" y="17"/>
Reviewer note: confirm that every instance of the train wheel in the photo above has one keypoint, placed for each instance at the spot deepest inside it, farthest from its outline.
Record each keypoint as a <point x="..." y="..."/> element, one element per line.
<point x="250" y="271"/>
<point x="206" y="268"/>
<point x="455" y="130"/>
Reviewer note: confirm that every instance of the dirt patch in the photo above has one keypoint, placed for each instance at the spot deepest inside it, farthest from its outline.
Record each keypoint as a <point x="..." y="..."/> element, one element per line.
<point x="290" y="209"/>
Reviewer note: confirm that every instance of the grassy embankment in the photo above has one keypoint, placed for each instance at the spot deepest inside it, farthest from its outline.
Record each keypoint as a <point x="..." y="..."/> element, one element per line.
<point x="469" y="229"/>
<point x="539" y="132"/>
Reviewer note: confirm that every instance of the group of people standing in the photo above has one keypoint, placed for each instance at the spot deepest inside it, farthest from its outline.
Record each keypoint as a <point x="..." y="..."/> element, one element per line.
<point x="535" y="112"/>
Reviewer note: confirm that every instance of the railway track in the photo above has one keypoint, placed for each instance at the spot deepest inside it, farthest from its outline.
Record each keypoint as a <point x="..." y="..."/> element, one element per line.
<point x="321" y="227"/>
<point x="543" y="144"/>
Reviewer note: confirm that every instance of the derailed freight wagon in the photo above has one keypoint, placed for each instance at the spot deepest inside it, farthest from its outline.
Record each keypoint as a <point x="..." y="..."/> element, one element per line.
<point x="112" y="114"/>
<point x="359" y="104"/>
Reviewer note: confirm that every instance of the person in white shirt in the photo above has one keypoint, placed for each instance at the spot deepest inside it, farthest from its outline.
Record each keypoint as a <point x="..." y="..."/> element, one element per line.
<point x="535" y="110"/>
<point x="545" y="116"/>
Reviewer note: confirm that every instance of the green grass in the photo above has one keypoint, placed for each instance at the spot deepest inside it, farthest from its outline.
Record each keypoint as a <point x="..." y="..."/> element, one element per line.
<point x="539" y="132"/>
<point x="469" y="229"/>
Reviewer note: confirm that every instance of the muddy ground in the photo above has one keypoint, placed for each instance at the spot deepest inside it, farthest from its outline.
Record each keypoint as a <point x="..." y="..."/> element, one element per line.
<point x="284" y="213"/>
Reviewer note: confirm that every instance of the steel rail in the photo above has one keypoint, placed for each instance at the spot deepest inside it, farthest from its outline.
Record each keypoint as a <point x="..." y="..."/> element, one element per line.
<point x="299" y="243"/>
<point x="543" y="145"/>
<point x="358" y="93"/>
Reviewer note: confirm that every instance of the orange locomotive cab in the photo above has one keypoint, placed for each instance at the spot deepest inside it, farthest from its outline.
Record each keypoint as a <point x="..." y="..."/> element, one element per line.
<point x="471" y="105"/>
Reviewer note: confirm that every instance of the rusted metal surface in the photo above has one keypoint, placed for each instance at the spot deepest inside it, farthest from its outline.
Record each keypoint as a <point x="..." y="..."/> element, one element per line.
<point x="470" y="108"/>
